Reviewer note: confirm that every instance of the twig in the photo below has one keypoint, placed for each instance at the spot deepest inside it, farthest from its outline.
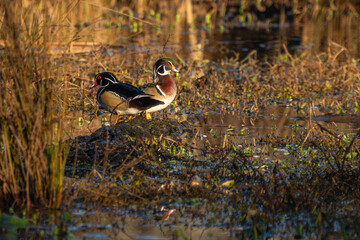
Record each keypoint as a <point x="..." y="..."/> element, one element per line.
<point x="350" y="145"/>
<point x="309" y="127"/>
<point x="252" y="53"/>
<point x="166" y="42"/>
<point x="327" y="130"/>
<point x="288" y="53"/>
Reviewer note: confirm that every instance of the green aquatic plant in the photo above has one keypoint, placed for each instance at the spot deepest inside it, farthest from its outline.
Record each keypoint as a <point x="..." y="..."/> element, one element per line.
<point x="10" y="224"/>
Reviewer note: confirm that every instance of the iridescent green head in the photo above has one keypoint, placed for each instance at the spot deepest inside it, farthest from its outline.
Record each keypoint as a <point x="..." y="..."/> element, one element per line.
<point x="162" y="67"/>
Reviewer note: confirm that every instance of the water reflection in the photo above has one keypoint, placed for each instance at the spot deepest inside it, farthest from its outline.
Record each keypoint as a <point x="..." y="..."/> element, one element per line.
<point x="200" y="43"/>
<point x="280" y="121"/>
<point x="104" y="225"/>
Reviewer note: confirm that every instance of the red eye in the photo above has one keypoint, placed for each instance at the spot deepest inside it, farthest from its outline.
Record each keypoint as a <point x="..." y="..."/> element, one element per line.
<point x="99" y="77"/>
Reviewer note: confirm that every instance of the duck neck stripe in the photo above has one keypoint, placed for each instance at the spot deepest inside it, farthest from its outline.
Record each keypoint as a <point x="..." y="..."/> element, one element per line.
<point x="160" y="91"/>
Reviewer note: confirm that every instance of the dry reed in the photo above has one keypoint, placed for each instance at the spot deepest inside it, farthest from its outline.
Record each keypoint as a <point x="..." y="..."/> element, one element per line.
<point x="33" y="152"/>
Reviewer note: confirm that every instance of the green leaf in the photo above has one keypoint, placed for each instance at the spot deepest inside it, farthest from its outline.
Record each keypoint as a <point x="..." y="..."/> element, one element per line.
<point x="228" y="184"/>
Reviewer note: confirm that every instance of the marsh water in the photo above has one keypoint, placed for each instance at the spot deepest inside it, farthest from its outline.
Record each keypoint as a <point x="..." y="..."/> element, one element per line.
<point x="279" y="119"/>
<point x="215" y="43"/>
<point x="199" y="43"/>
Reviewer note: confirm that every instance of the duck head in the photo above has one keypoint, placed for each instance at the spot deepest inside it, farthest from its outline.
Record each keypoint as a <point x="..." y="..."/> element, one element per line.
<point x="104" y="79"/>
<point x="162" y="67"/>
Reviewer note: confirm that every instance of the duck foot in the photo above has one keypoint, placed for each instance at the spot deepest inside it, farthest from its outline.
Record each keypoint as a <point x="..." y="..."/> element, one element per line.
<point x="118" y="120"/>
<point x="148" y="115"/>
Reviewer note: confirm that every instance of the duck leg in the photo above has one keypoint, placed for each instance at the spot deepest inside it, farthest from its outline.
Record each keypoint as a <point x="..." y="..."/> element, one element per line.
<point x="148" y="116"/>
<point x="117" y="118"/>
<point x="130" y="117"/>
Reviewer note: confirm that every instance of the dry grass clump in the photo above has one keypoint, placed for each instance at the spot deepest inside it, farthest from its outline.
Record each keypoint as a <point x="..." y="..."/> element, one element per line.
<point x="331" y="84"/>
<point x="316" y="78"/>
<point x="32" y="149"/>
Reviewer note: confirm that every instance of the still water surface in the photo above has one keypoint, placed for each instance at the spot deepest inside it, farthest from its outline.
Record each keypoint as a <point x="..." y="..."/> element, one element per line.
<point x="201" y="43"/>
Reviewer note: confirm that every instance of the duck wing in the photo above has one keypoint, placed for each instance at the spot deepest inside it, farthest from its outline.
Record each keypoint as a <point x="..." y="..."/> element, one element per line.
<point x="152" y="89"/>
<point x="122" y="95"/>
<point x="144" y="103"/>
<point x="125" y="91"/>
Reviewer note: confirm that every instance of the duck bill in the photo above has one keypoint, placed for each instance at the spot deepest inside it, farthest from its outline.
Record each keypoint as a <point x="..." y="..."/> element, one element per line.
<point x="174" y="70"/>
<point x="94" y="85"/>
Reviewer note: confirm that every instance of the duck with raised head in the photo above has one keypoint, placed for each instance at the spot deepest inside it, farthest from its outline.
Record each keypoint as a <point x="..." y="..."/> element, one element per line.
<point x="164" y="87"/>
<point x="122" y="98"/>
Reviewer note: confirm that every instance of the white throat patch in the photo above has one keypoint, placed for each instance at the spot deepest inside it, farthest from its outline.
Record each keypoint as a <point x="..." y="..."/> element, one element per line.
<point x="165" y="72"/>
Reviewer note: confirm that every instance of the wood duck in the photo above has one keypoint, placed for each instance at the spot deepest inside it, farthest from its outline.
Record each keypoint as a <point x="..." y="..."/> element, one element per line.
<point x="165" y="88"/>
<point x="122" y="98"/>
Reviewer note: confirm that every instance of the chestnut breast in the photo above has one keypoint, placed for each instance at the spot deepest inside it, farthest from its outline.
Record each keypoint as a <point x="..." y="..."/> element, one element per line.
<point x="167" y="85"/>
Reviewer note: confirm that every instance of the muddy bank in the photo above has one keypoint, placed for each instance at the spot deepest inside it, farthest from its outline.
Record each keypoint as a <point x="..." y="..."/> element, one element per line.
<point x="113" y="145"/>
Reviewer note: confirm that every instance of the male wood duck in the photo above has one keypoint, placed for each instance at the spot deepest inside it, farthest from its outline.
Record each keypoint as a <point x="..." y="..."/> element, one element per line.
<point x="165" y="88"/>
<point x="122" y="98"/>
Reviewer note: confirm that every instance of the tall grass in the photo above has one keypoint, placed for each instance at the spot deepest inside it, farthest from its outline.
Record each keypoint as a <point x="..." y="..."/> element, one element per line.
<point x="32" y="148"/>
